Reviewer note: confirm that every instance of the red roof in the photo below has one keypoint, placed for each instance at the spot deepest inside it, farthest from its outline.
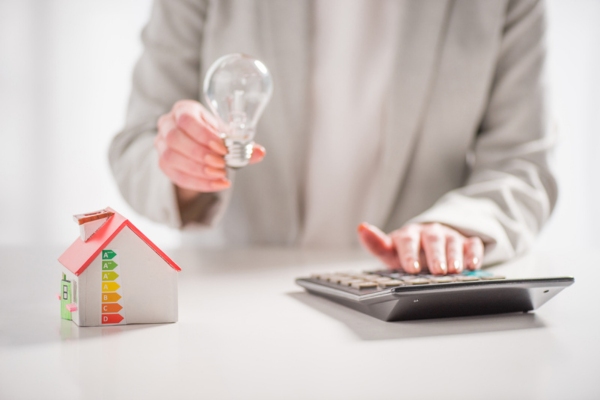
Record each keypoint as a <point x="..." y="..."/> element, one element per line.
<point x="80" y="254"/>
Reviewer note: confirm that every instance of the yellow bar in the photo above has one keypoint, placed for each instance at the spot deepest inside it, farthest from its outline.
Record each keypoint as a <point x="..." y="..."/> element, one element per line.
<point x="110" y="286"/>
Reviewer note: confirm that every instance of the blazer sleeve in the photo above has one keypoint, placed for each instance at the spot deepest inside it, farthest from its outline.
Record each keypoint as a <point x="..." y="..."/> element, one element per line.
<point x="510" y="191"/>
<point x="168" y="71"/>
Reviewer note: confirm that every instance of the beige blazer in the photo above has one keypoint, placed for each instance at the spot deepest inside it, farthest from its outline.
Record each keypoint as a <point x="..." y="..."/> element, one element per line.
<point x="465" y="142"/>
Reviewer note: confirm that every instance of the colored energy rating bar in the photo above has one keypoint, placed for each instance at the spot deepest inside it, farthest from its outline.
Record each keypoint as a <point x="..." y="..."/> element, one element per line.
<point x="109" y="265"/>
<point x="112" y="311"/>
<point x="110" y="286"/>
<point x="110" y="297"/>
<point x="111" y="318"/>
<point x="108" y="254"/>
<point x="109" y="276"/>
<point x="111" y="308"/>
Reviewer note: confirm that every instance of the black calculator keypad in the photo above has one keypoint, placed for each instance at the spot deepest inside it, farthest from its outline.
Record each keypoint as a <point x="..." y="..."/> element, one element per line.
<point x="372" y="281"/>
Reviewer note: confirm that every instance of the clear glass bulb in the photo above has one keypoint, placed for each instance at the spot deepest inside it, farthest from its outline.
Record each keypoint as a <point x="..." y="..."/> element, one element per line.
<point x="237" y="89"/>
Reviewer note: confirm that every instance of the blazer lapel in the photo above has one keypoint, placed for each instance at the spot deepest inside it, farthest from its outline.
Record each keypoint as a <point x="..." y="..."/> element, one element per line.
<point x="422" y="29"/>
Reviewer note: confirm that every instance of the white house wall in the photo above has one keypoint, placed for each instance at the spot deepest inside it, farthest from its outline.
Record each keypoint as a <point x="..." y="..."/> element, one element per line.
<point x="91" y="278"/>
<point x="149" y="283"/>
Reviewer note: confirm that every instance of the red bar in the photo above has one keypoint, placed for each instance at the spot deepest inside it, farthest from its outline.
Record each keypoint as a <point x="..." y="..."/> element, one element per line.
<point x="111" y="318"/>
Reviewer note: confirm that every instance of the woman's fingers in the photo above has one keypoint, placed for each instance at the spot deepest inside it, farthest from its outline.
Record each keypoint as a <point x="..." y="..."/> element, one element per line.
<point x="192" y="118"/>
<point x="189" y="164"/>
<point x="177" y="140"/>
<point x="379" y="244"/>
<point x="433" y="240"/>
<point x="473" y="249"/>
<point x="408" y="245"/>
<point x="454" y="252"/>
<point x="189" y="182"/>
<point x="417" y="247"/>
<point x="170" y="158"/>
<point x="191" y="153"/>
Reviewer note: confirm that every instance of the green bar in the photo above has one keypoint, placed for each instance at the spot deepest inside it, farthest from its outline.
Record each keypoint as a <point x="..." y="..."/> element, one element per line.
<point x="108" y="254"/>
<point x="109" y="265"/>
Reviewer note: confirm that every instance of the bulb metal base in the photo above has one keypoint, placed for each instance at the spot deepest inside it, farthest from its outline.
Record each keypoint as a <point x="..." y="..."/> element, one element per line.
<point x="238" y="154"/>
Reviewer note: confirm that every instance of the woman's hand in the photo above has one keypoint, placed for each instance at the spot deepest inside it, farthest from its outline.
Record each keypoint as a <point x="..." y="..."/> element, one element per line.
<point x="190" y="151"/>
<point x="417" y="247"/>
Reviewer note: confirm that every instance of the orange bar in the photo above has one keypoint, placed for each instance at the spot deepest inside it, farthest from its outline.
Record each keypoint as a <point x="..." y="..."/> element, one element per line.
<point x="110" y="297"/>
<point x="111" y="307"/>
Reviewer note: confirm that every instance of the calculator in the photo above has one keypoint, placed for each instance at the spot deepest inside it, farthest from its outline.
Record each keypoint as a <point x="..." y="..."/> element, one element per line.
<point x="392" y="295"/>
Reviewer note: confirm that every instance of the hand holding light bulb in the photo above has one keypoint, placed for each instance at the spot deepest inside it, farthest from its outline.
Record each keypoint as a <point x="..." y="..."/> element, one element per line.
<point x="191" y="152"/>
<point x="194" y="147"/>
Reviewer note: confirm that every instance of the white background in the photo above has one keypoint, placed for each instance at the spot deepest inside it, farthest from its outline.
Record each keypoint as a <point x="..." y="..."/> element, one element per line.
<point x="65" y="70"/>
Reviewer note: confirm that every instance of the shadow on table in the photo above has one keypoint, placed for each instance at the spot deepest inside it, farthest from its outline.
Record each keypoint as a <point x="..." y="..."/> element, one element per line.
<point x="36" y="331"/>
<point x="370" y="328"/>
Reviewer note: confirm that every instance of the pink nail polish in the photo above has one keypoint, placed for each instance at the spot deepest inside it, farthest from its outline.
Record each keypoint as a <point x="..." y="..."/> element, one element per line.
<point x="220" y="184"/>
<point x="217" y="173"/>
<point x="217" y="147"/>
<point x="214" y="161"/>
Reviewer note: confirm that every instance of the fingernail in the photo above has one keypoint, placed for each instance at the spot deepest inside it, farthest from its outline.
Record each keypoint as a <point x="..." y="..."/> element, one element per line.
<point x="220" y="184"/>
<point x="214" y="161"/>
<point x="217" y="173"/>
<point x="457" y="266"/>
<point x="443" y="267"/>
<point x="475" y="262"/>
<point x="362" y="227"/>
<point x="218" y="147"/>
<point x="417" y="266"/>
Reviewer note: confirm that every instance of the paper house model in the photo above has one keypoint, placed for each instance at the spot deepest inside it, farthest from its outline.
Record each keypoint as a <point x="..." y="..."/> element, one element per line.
<point x="113" y="274"/>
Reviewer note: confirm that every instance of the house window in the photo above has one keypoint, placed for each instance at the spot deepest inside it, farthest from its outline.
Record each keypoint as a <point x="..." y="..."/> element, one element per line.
<point x="65" y="292"/>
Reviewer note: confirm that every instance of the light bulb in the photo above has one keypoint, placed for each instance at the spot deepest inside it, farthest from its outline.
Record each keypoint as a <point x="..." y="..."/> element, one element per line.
<point x="237" y="89"/>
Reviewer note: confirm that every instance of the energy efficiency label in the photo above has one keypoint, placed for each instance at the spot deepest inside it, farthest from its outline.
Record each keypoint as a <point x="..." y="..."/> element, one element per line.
<point x="113" y="312"/>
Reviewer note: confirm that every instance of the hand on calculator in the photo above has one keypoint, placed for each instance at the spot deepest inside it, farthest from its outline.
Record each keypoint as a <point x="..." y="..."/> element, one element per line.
<point x="418" y="247"/>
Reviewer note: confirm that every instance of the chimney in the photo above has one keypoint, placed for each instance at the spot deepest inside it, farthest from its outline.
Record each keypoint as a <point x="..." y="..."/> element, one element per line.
<point x="89" y="223"/>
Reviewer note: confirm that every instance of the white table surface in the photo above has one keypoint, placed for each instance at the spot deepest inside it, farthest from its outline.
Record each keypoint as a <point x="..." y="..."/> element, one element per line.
<point x="246" y="331"/>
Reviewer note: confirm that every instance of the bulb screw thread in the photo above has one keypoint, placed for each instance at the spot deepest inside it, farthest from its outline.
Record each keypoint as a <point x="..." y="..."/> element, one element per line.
<point x="238" y="153"/>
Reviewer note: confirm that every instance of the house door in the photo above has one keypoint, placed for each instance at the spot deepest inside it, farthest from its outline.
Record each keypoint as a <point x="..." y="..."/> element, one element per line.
<point x="65" y="298"/>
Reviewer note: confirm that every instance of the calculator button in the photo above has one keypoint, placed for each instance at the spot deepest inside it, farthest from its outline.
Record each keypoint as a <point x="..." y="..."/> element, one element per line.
<point x="416" y="281"/>
<point x="465" y="278"/>
<point x="377" y="272"/>
<point x="391" y="283"/>
<point x="350" y="281"/>
<point x="360" y="276"/>
<point x="380" y="280"/>
<point x="371" y="278"/>
<point x="442" y="279"/>
<point x="364" y="285"/>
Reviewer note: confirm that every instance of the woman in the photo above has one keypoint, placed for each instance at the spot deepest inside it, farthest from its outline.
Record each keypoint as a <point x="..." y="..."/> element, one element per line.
<point x="424" y="118"/>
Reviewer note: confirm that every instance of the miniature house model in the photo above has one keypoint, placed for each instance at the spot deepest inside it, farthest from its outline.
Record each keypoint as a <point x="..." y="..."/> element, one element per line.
<point x="113" y="274"/>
